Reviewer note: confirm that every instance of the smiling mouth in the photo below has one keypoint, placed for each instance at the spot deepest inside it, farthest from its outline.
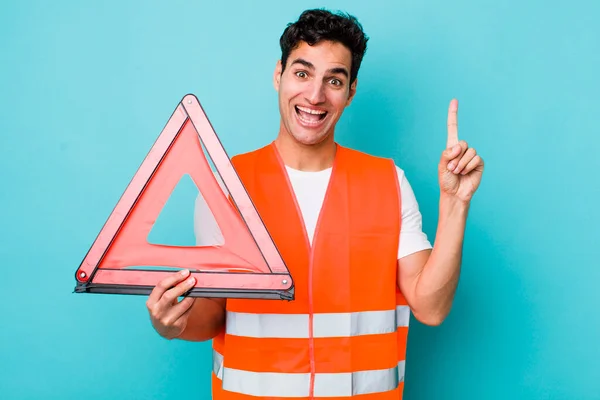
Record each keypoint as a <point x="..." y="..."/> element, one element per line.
<point x="309" y="116"/>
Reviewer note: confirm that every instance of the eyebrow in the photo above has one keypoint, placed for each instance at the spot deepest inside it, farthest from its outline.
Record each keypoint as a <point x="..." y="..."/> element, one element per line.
<point x="308" y="64"/>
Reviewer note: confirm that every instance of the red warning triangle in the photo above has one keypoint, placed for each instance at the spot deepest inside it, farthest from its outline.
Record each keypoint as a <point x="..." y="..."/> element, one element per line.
<point x="246" y="265"/>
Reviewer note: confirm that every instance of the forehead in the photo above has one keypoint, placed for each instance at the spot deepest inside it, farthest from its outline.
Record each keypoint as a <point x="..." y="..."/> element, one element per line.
<point x="323" y="55"/>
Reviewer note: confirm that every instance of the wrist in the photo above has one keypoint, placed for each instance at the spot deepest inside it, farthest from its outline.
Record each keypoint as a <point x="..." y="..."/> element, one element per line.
<point x="453" y="207"/>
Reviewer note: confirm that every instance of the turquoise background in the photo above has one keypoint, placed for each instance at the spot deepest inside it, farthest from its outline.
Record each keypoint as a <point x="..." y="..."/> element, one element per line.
<point x="85" y="88"/>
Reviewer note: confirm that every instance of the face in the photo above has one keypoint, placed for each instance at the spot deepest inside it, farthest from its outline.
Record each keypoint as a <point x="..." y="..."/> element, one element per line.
<point x="314" y="90"/>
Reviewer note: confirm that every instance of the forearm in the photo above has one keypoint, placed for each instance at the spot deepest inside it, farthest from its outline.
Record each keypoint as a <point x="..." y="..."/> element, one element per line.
<point x="206" y="319"/>
<point x="437" y="282"/>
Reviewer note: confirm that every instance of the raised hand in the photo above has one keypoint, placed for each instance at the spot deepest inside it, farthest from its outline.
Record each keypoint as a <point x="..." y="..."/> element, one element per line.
<point x="460" y="168"/>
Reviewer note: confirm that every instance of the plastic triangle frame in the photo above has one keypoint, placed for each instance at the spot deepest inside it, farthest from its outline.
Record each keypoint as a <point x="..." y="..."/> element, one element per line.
<point x="247" y="265"/>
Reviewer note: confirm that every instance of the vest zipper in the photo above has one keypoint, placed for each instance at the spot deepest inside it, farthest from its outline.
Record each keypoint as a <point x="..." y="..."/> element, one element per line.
<point x="311" y="247"/>
<point x="311" y="339"/>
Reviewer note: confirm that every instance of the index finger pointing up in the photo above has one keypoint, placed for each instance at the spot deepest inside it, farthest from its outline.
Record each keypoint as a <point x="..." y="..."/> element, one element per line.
<point x="452" y="124"/>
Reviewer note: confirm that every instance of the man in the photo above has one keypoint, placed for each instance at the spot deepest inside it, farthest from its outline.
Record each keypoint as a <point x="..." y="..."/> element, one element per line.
<point x="349" y="228"/>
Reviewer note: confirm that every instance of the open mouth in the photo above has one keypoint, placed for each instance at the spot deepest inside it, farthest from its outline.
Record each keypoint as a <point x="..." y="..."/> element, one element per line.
<point x="309" y="116"/>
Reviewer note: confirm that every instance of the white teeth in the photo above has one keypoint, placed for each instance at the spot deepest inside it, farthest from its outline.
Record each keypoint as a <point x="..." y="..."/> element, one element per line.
<point x="306" y="121"/>
<point x="309" y="122"/>
<point x="310" y="111"/>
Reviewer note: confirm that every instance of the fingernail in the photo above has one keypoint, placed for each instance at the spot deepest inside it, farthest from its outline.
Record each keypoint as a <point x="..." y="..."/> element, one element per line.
<point x="451" y="166"/>
<point x="184" y="272"/>
<point x="191" y="280"/>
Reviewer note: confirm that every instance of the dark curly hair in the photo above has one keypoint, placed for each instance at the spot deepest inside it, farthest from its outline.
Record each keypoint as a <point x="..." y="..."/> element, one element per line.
<point x="316" y="25"/>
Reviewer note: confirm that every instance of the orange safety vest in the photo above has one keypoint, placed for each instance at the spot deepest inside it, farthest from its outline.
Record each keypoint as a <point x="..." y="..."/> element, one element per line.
<point x="345" y="332"/>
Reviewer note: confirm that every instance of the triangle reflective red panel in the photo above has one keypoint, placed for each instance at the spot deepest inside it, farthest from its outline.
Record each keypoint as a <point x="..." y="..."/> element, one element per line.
<point x="246" y="265"/>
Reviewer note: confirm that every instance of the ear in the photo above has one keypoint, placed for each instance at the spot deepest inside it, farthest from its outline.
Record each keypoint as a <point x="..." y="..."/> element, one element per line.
<point x="352" y="92"/>
<point x="277" y="75"/>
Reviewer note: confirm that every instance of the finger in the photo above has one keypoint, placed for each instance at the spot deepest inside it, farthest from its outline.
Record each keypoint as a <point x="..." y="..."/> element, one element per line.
<point x="180" y="310"/>
<point x="464" y="160"/>
<point x="454" y="152"/>
<point x="450" y="154"/>
<point x="169" y="298"/>
<point x="452" y="124"/>
<point x="462" y="148"/>
<point x="477" y="161"/>
<point x="165" y="285"/>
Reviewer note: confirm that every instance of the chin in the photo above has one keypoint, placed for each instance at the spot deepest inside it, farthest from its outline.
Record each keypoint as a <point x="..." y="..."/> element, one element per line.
<point x="310" y="139"/>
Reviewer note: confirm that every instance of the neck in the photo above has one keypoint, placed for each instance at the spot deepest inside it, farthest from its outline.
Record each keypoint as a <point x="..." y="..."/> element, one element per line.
<point x="315" y="157"/>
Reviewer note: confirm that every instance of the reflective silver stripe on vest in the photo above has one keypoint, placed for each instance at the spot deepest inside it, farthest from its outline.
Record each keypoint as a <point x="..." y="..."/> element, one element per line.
<point x="324" y="324"/>
<point x="355" y="383"/>
<point x="218" y="364"/>
<point x="267" y="325"/>
<point x="298" y="385"/>
<point x="354" y="324"/>
<point x="402" y="316"/>
<point x="401" y="368"/>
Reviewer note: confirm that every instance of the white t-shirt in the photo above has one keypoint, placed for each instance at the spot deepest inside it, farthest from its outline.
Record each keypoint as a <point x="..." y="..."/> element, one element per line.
<point x="309" y="189"/>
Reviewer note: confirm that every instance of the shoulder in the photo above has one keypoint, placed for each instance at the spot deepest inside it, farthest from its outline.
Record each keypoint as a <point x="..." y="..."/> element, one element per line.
<point x="359" y="154"/>
<point x="378" y="164"/>
<point x="387" y="162"/>
<point x="367" y="161"/>
<point x="249" y="156"/>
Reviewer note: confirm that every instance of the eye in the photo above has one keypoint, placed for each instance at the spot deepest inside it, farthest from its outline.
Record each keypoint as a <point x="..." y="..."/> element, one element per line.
<point x="335" y="82"/>
<point x="301" y="74"/>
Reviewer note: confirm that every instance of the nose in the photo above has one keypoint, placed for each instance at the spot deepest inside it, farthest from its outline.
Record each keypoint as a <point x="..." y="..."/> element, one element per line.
<point x="316" y="92"/>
